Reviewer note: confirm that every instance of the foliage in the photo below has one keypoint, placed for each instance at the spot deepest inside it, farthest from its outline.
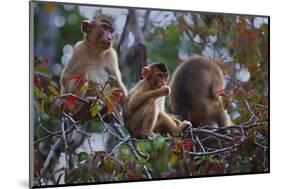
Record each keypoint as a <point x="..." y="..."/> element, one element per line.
<point x="241" y="41"/>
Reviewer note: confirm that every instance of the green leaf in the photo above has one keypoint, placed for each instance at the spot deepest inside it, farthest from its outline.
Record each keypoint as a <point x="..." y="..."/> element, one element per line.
<point x="125" y="151"/>
<point x="158" y="142"/>
<point x="44" y="118"/>
<point x="37" y="93"/>
<point x="144" y="146"/>
<point x="96" y="127"/>
<point x="82" y="156"/>
<point x="95" y="110"/>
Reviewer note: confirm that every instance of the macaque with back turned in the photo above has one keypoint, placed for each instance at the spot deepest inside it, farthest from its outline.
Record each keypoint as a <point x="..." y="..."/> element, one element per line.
<point x="144" y="113"/>
<point x="197" y="86"/>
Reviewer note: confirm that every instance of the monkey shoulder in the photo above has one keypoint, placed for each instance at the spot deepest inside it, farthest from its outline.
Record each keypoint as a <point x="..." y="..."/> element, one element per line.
<point x="80" y="48"/>
<point x="111" y="58"/>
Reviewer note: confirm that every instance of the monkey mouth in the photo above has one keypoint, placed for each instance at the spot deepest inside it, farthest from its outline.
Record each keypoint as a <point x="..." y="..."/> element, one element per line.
<point x="106" y="44"/>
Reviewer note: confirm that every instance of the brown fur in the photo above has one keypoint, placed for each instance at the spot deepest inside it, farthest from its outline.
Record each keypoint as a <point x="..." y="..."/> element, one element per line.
<point x="195" y="85"/>
<point x="144" y="107"/>
<point x="93" y="58"/>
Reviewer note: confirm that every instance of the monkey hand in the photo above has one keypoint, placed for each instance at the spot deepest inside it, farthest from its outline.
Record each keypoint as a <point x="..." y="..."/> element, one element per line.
<point x="165" y="90"/>
<point x="152" y="136"/>
<point x="187" y="123"/>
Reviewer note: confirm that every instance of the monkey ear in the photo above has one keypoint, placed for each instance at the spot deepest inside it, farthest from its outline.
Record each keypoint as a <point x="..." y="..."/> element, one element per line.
<point x="86" y="26"/>
<point x="145" y="71"/>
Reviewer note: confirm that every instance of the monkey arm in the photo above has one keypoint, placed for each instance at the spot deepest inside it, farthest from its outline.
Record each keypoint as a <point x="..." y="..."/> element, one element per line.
<point x="167" y="122"/>
<point x="120" y="83"/>
<point x="113" y="69"/>
<point x="170" y="124"/>
<point x="139" y="98"/>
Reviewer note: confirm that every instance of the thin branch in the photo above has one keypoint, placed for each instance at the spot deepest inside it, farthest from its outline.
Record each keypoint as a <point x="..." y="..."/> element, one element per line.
<point x="202" y="147"/>
<point x="70" y="94"/>
<point x="63" y="119"/>
<point x="215" y="134"/>
<point x="213" y="152"/>
<point x="249" y="108"/>
<point x="192" y="137"/>
<point x="46" y="130"/>
<point x="116" y="147"/>
<point x="50" y="155"/>
<point x="260" y="145"/>
<point x="48" y="136"/>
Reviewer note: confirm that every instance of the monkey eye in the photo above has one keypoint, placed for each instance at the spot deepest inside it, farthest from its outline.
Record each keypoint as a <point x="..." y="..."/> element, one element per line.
<point x="160" y="75"/>
<point x="108" y="28"/>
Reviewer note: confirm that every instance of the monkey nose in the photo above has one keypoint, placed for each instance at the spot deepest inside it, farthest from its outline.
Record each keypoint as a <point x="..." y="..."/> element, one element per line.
<point x="109" y="37"/>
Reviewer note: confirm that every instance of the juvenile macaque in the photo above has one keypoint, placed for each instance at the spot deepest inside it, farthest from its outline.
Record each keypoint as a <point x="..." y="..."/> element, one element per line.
<point x="144" y="106"/>
<point x="197" y="86"/>
<point x="93" y="59"/>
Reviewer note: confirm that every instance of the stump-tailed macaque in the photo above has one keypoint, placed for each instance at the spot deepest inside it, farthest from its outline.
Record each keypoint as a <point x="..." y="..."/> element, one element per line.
<point x="197" y="86"/>
<point x="93" y="59"/>
<point x="144" y="106"/>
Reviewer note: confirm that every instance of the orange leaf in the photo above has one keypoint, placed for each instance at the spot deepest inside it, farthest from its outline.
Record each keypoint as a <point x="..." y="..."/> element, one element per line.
<point x="53" y="91"/>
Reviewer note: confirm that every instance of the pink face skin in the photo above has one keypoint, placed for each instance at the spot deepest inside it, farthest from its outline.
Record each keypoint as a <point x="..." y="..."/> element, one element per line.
<point x="160" y="78"/>
<point x="106" y="31"/>
<point x="99" y="32"/>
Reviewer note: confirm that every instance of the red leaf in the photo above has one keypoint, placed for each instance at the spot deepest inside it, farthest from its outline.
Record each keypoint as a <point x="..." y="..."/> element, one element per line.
<point x="69" y="102"/>
<point x="37" y="82"/>
<point x="118" y="94"/>
<point x="79" y="79"/>
<point x="187" y="144"/>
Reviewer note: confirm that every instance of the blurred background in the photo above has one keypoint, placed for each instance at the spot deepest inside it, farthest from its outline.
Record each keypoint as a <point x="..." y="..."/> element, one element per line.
<point x="167" y="36"/>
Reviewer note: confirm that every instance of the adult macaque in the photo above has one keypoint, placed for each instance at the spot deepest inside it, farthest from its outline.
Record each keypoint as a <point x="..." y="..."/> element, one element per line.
<point x="93" y="59"/>
<point x="197" y="85"/>
<point x="144" y="106"/>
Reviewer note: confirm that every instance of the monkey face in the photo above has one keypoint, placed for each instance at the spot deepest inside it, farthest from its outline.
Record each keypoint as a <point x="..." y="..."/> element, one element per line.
<point x="99" y="33"/>
<point x="105" y="34"/>
<point x="157" y="74"/>
<point x="160" y="78"/>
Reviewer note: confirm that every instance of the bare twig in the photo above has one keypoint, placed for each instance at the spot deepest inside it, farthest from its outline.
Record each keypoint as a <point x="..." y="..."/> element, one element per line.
<point x="202" y="147"/>
<point x="249" y="108"/>
<point x="213" y="152"/>
<point x="192" y="137"/>
<point x="63" y="120"/>
<point x="48" y="136"/>
<point x="46" y="130"/>
<point x="117" y="147"/>
<point x="70" y="94"/>
<point x="214" y="133"/>
<point x="50" y="155"/>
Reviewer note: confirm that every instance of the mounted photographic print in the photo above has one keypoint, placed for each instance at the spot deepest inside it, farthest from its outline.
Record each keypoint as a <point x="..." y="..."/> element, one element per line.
<point x="121" y="94"/>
